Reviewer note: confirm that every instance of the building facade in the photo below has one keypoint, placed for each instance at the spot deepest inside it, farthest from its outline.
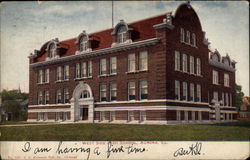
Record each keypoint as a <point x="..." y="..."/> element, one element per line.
<point x="156" y="70"/>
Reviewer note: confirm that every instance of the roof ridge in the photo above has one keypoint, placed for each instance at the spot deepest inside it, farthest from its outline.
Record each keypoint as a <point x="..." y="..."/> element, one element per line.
<point x="158" y="15"/>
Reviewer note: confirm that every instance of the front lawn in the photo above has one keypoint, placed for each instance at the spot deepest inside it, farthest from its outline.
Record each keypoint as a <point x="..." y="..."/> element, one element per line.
<point x="235" y="131"/>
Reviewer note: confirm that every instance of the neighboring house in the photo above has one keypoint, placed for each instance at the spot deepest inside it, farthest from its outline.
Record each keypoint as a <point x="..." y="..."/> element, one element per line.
<point x="156" y="70"/>
<point x="244" y="112"/>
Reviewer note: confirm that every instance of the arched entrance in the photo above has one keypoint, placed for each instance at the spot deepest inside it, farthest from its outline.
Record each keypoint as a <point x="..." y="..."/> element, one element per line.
<point x="82" y="103"/>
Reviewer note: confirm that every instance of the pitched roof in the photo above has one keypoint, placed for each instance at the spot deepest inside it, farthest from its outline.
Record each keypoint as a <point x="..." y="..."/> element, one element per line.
<point x="142" y="30"/>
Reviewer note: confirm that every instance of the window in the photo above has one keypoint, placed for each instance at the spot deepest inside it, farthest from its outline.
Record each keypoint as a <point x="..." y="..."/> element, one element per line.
<point x="102" y="115"/>
<point x="52" y="51"/>
<point x="83" y="43"/>
<point x="142" y="116"/>
<point x="178" y="115"/>
<point x="198" y="88"/>
<point x="112" y="115"/>
<point x="58" y="96"/>
<point x="78" y="70"/>
<point x="84" y="69"/>
<point x="113" y="91"/>
<point x="191" y="91"/>
<point x="45" y="116"/>
<point x="223" y="99"/>
<point x="66" y="72"/>
<point x="66" y="95"/>
<point x="191" y="64"/>
<point x="40" y="97"/>
<point x="143" y="89"/>
<point x="215" y="96"/>
<point x="39" y="116"/>
<point x="58" y="116"/>
<point x="130" y="115"/>
<point x="103" y="67"/>
<point x="177" y="90"/>
<point x="185" y="91"/>
<point x="231" y="100"/>
<point x="193" y="39"/>
<point x="59" y="73"/>
<point x="182" y="38"/>
<point x="177" y="61"/>
<point x="131" y="62"/>
<point x="131" y="91"/>
<point x="46" y="76"/>
<point x="103" y="92"/>
<point x="143" y="61"/>
<point x="40" y="76"/>
<point x="215" y="57"/>
<point x="215" y="77"/>
<point x="65" y="117"/>
<point x="198" y="66"/>
<point x="227" y="104"/>
<point x="84" y="94"/>
<point x="188" y="37"/>
<point x="184" y="63"/>
<point x="226" y="79"/>
<point x="46" y="97"/>
<point x="122" y="34"/>
<point x="113" y="65"/>
<point x="90" y="69"/>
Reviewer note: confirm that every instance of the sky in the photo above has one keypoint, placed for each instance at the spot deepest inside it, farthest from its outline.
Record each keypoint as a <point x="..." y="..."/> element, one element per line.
<point x="25" y="26"/>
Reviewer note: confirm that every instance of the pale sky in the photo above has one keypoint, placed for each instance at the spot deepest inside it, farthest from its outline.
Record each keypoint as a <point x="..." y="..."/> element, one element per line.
<point x="26" y="26"/>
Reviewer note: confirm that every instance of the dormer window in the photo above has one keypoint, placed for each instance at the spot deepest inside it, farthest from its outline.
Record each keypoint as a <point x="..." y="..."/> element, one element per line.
<point x="226" y="62"/>
<point x="52" y="50"/>
<point x="215" y="57"/>
<point x="121" y="34"/>
<point x="83" y="43"/>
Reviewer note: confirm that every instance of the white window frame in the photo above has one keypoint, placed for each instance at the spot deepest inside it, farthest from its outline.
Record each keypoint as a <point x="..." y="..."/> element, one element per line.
<point x="185" y="91"/>
<point x="121" y="35"/>
<point x="59" y="73"/>
<point x="215" y="77"/>
<point x="40" y="97"/>
<point x="84" y="70"/>
<point x="112" y="116"/>
<point x="131" y="89"/>
<point x="223" y="98"/>
<point x="143" y="61"/>
<point x="131" y="62"/>
<point x="103" y="92"/>
<point x="40" y="76"/>
<point x="184" y="63"/>
<point x="78" y="70"/>
<point x="102" y="115"/>
<point x="193" y="39"/>
<point x="231" y="100"/>
<point x="177" y="61"/>
<point x="198" y="92"/>
<point x="113" y="91"/>
<point x="182" y="35"/>
<point x="177" y="89"/>
<point x="193" y="115"/>
<point x="131" y="116"/>
<point x="191" y="63"/>
<point x="83" y="43"/>
<point x="52" y="51"/>
<point x="90" y="70"/>
<point x="178" y="115"/>
<point x="45" y="116"/>
<point x="103" y="66"/>
<point x="192" y="91"/>
<point x="66" y="72"/>
<point x="143" y="116"/>
<point x="227" y="100"/>
<point x="58" y="94"/>
<point x="46" y="75"/>
<point x="46" y="97"/>
<point x="198" y="66"/>
<point x="143" y="89"/>
<point x="188" y="37"/>
<point x="216" y="96"/>
<point x="226" y="80"/>
<point x="113" y="65"/>
<point x="66" y="95"/>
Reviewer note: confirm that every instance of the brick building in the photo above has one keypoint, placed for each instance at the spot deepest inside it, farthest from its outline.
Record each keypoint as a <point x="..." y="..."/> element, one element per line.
<point x="156" y="70"/>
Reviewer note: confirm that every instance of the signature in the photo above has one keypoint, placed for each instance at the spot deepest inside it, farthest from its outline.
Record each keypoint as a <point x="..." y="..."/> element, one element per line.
<point x="194" y="149"/>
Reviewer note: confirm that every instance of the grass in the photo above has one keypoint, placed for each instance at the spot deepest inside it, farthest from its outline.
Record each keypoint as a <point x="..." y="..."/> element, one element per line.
<point x="235" y="131"/>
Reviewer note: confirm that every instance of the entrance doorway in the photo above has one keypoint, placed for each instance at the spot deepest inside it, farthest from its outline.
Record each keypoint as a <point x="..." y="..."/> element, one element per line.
<point x="84" y="113"/>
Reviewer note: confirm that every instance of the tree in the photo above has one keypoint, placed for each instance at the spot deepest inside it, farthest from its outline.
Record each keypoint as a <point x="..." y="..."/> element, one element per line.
<point x="239" y="96"/>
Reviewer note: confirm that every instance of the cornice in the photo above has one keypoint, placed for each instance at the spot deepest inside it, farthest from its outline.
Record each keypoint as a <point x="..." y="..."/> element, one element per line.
<point x="134" y="45"/>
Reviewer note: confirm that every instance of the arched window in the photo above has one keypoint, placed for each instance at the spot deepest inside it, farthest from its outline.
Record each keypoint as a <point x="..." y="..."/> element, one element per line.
<point x="226" y="61"/>
<point x="121" y="34"/>
<point x="83" y="43"/>
<point x="215" y="57"/>
<point x="84" y="94"/>
<point x="52" y="50"/>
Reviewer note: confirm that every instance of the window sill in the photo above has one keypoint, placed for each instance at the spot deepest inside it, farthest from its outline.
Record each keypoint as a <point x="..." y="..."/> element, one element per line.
<point x="83" y="78"/>
<point x="189" y="44"/>
<point x="60" y="81"/>
<point x="136" y="71"/>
